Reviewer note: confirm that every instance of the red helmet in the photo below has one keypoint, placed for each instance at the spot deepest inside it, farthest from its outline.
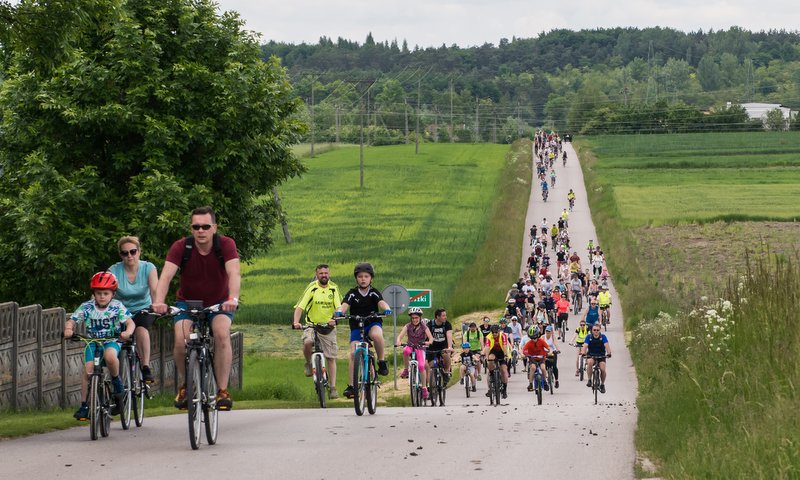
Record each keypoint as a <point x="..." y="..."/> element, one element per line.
<point x="104" y="281"/>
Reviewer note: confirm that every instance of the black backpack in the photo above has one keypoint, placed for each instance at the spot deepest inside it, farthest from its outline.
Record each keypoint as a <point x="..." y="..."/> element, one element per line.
<point x="188" y="245"/>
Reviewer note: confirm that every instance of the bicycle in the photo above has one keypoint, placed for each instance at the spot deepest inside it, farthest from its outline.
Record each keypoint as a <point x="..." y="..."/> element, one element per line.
<point x="571" y="204"/>
<point x="604" y="315"/>
<point x="365" y="380"/>
<point x="549" y="364"/>
<point x="133" y="381"/>
<point x="436" y="379"/>
<point x="514" y="356"/>
<point x="537" y="377"/>
<point x="582" y="360"/>
<point x="544" y="195"/>
<point x="596" y="374"/>
<point x="495" y="384"/>
<point x="577" y="302"/>
<point x="201" y="382"/>
<point x="319" y="369"/>
<point x="414" y="377"/>
<point x="101" y="393"/>
<point x="562" y="329"/>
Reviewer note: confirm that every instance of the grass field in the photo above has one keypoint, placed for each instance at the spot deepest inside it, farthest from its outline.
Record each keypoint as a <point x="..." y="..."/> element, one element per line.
<point x="715" y="384"/>
<point x="701" y="177"/>
<point x="420" y="219"/>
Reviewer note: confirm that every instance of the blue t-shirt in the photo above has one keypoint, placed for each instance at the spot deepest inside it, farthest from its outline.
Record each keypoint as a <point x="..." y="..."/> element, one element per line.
<point x="134" y="295"/>
<point x="592" y="316"/>
<point x="597" y="346"/>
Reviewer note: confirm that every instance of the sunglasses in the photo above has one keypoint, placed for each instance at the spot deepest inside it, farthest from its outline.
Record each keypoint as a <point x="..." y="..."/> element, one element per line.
<point x="595" y="329"/>
<point x="131" y="252"/>
<point x="204" y="226"/>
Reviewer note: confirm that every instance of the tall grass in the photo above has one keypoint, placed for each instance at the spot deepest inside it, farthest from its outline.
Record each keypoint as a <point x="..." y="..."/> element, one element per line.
<point x="420" y="219"/>
<point x="716" y="408"/>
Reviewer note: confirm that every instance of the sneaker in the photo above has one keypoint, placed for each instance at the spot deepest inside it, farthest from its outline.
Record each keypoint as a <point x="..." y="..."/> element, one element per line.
<point x="308" y="369"/>
<point x="119" y="389"/>
<point x="602" y="388"/>
<point x="489" y="393"/>
<point x="180" y="399"/>
<point x="147" y="375"/>
<point x="349" y="392"/>
<point x="404" y="373"/>
<point x="224" y="400"/>
<point x="556" y="383"/>
<point x="446" y="379"/>
<point x="530" y="387"/>
<point x="589" y="384"/>
<point x="474" y="389"/>
<point x="577" y="372"/>
<point x="546" y="386"/>
<point x="82" y="413"/>
<point x="504" y="394"/>
<point x="333" y="394"/>
<point x="461" y="381"/>
<point x="424" y="393"/>
<point x="383" y="370"/>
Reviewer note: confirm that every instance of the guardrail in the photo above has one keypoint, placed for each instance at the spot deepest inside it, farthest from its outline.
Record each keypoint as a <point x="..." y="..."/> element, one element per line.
<point x="39" y="370"/>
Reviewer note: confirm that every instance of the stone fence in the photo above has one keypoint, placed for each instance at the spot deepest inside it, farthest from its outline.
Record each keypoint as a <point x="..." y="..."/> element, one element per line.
<point x="40" y="370"/>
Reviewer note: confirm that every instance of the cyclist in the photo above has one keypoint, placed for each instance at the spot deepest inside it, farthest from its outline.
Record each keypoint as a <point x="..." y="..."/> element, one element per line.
<point x="554" y="234"/>
<point x="475" y="338"/>
<point x="467" y="365"/>
<point x="137" y="285"/>
<point x="565" y="217"/>
<point x="580" y="336"/>
<point x="590" y="249"/>
<point x="364" y="300"/>
<point x="596" y="346"/>
<point x="604" y="300"/>
<point x="592" y="314"/>
<point x="562" y="307"/>
<point x="546" y="286"/>
<point x="419" y="335"/>
<point x="319" y="300"/>
<point x="553" y="177"/>
<point x="209" y="267"/>
<point x="576" y="285"/>
<point x="442" y="332"/>
<point x="485" y="328"/>
<point x="104" y="316"/>
<point x="536" y="350"/>
<point x="544" y="188"/>
<point x="552" y="354"/>
<point x="496" y="349"/>
<point x="561" y="259"/>
<point x="564" y="158"/>
<point x="597" y="265"/>
<point x="516" y="331"/>
<point x="550" y="307"/>
<point x="571" y="199"/>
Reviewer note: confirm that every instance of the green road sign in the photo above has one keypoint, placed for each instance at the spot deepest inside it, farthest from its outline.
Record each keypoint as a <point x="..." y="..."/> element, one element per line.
<point x="420" y="297"/>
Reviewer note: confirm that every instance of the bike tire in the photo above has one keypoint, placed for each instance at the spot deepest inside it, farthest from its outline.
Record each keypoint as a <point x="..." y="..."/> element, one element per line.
<point x="467" y="380"/>
<point x="359" y="387"/>
<point x="372" y="388"/>
<point x="582" y="369"/>
<point x="210" y="412"/>
<point x="551" y="380"/>
<point x="412" y="384"/>
<point x="498" y="386"/>
<point x="563" y="330"/>
<point x="105" y="415"/>
<point x="319" y="381"/>
<point x="194" y="398"/>
<point x="125" y="374"/>
<point x="137" y="395"/>
<point x="595" y="383"/>
<point x="94" y="407"/>
<point x="442" y="391"/>
<point x="432" y="390"/>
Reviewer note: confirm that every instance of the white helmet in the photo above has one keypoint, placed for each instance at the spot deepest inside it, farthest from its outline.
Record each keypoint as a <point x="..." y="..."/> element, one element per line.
<point x="414" y="311"/>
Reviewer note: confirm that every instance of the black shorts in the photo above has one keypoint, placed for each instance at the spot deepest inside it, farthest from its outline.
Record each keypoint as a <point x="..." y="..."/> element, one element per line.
<point x="563" y="316"/>
<point x="499" y="356"/>
<point x="144" y="320"/>
<point x="431" y="354"/>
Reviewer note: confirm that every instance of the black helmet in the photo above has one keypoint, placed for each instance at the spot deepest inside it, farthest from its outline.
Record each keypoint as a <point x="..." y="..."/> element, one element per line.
<point x="494" y="328"/>
<point x="364" y="267"/>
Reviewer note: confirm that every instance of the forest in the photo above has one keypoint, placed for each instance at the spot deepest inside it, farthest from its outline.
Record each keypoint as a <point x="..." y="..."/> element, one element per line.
<point x="617" y="80"/>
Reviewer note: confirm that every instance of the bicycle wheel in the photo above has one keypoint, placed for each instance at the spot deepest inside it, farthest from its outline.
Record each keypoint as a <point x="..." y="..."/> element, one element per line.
<point x="94" y="407"/>
<point x="538" y="387"/>
<point x="194" y="398"/>
<point x="550" y="380"/>
<point x="413" y="384"/>
<point x="319" y="380"/>
<point x="372" y="387"/>
<point x="467" y="380"/>
<point x="563" y="330"/>
<point x="105" y="401"/>
<point x="514" y="362"/>
<point x="125" y="376"/>
<point x="137" y="395"/>
<point x="442" y="390"/>
<point x="582" y="369"/>
<point x="210" y="412"/>
<point x="595" y="383"/>
<point x="498" y="386"/>
<point x="359" y="397"/>
<point x="432" y="393"/>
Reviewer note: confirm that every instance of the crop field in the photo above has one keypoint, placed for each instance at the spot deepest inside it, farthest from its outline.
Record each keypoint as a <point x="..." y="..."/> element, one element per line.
<point x="671" y="179"/>
<point x="420" y="219"/>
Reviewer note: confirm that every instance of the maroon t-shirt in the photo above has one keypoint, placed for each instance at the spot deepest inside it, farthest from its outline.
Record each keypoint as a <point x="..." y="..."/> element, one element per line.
<point x="203" y="278"/>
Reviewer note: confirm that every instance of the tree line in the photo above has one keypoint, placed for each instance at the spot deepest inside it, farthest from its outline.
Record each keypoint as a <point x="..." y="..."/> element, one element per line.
<point x="602" y="80"/>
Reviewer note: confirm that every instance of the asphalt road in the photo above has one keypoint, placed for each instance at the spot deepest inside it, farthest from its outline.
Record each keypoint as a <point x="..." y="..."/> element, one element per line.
<point x="566" y="437"/>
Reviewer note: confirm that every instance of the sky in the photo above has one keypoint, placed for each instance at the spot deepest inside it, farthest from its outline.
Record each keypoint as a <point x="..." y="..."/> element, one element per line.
<point x="474" y="22"/>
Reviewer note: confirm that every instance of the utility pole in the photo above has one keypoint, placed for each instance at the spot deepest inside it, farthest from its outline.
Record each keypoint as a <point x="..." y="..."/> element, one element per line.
<point x="405" y="111"/>
<point x="436" y="124"/>
<point x="452" y="129"/>
<point x="337" y="123"/>
<point x="361" y="145"/>
<point x="519" y="123"/>
<point x="282" y="214"/>
<point x="367" y="112"/>
<point x="494" y="126"/>
<point x="313" y="81"/>
<point x="477" y="121"/>
<point x="416" y="147"/>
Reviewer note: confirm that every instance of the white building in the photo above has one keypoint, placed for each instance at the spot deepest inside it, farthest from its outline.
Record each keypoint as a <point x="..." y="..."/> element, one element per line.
<point x="760" y="110"/>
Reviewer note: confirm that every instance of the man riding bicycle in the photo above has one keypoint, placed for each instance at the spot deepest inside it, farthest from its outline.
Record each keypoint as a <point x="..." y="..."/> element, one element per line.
<point x="442" y="332"/>
<point x="596" y="346"/>
<point x="496" y="350"/>
<point x="604" y="301"/>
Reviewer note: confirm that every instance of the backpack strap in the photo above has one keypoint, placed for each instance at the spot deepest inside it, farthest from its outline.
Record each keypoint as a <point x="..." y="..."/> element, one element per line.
<point x="188" y="246"/>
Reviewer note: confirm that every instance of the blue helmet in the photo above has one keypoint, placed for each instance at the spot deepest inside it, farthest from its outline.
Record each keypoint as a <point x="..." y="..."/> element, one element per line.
<point x="465" y="345"/>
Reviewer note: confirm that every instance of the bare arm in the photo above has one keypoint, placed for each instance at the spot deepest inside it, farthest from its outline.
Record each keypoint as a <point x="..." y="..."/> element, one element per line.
<point x="162" y="288"/>
<point x="234" y="285"/>
<point x="152" y="282"/>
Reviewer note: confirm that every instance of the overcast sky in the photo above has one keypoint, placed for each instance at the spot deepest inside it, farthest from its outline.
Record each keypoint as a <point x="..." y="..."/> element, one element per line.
<point x="475" y="22"/>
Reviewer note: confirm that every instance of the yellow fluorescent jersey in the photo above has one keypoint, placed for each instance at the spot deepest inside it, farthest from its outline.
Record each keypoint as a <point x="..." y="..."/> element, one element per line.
<point x="604" y="299"/>
<point x="320" y="302"/>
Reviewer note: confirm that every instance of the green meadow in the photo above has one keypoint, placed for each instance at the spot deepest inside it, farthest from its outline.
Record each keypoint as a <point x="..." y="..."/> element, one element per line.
<point x="420" y="219"/>
<point x="669" y="179"/>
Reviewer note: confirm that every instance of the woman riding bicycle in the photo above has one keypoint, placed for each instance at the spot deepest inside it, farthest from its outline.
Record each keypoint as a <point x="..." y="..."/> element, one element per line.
<point x="137" y="286"/>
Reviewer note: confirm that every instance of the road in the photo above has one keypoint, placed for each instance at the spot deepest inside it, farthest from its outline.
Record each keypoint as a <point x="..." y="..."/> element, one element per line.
<point x="466" y="439"/>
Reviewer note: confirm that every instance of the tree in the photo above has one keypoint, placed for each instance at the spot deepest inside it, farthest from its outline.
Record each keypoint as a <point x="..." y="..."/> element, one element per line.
<point x="144" y="110"/>
<point x="775" y="120"/>
<point x="708" y="73"/>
